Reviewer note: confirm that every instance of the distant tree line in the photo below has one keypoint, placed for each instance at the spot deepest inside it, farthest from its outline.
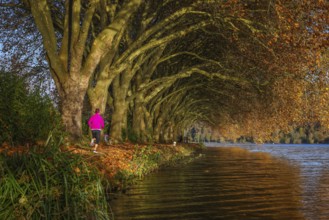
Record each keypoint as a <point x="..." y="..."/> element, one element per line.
<point x="299" y="134"/>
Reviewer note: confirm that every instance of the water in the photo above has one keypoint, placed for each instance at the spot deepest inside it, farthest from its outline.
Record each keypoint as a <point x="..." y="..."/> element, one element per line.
<point x="236" y="182"/>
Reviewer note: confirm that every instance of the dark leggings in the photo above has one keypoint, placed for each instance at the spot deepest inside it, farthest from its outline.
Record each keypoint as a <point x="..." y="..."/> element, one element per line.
<point x="97" y="135"/>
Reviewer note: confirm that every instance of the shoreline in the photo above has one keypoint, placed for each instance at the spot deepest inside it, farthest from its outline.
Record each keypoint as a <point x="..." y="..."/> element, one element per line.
<point x="71" y="180"/>
<point x="122" y="164"/>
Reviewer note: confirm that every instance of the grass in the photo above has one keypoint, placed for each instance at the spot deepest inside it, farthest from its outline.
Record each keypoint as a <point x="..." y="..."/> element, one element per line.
<point x="50" y="184"/>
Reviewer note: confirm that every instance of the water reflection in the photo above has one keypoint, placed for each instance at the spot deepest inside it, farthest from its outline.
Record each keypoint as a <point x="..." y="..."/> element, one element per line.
<point x="228" y="183"/>
<point x="322" y="196"/>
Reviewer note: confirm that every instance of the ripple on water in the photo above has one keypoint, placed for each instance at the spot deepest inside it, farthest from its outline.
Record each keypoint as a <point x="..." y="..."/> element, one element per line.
<point x="268" y="182"/>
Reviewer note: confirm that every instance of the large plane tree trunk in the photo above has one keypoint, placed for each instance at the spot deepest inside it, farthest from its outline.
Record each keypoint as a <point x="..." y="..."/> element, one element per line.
<point x="71" y="109"/>
<point x="138" y="123"/>
<point x="119" y="110"/>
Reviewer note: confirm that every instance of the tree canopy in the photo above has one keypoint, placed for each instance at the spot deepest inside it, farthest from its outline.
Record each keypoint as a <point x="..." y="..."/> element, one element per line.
<point x="156" y="68"/>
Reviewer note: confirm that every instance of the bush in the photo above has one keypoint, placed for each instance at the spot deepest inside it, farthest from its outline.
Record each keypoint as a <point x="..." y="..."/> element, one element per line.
<point x="25" y="116"/>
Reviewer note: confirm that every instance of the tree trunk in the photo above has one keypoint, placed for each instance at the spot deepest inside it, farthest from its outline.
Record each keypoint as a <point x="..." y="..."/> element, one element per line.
<point x="166" y="137"/>
<point x="98" y="95"/>
<point x="178" y="134"/>
<point x="158" y="134"/>
<point x="117" y="124"/>
<point x="147" y="121"/>
<point x="71" y="108"/>
<point x="119" y="110"/>
<point x="138" y="124"/>
<point x="168" y="133"/>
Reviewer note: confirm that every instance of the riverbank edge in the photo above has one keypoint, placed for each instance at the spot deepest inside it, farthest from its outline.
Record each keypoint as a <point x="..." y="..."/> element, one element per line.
<point x="48" y="175"/>
<point x="122" y="165"/>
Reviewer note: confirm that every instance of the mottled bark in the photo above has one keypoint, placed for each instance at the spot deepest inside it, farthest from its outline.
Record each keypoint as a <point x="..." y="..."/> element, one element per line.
<point x="138" y="123"/>
<point x="168" y="133"/>
<point x="158" y="131"/>
<point x="71" y="110"/>
<point x="98" y="97"/>
<point x="117" y="124"/>
<point x="119" y="110"/>
<point x="72" y="94"/>
<point x="98" y="94"/>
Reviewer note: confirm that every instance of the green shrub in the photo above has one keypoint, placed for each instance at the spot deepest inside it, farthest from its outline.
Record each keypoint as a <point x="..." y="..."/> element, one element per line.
<point x="25" y="116"/>
<point x="132" y="137"/>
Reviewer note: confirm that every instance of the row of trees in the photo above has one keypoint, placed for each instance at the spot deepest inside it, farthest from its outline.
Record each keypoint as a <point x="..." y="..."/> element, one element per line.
<point x="308" y="133"/>
<point x="160" y="66"/>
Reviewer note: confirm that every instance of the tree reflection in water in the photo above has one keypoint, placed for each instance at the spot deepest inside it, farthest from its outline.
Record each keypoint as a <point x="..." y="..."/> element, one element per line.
<point x="229" y="183"/>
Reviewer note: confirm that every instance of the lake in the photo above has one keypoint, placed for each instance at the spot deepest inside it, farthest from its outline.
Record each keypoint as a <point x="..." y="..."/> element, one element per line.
<point x="232" y="181"/>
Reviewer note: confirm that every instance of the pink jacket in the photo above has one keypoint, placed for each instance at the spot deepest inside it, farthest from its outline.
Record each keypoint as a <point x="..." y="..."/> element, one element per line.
<point x="96" y="122"/>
